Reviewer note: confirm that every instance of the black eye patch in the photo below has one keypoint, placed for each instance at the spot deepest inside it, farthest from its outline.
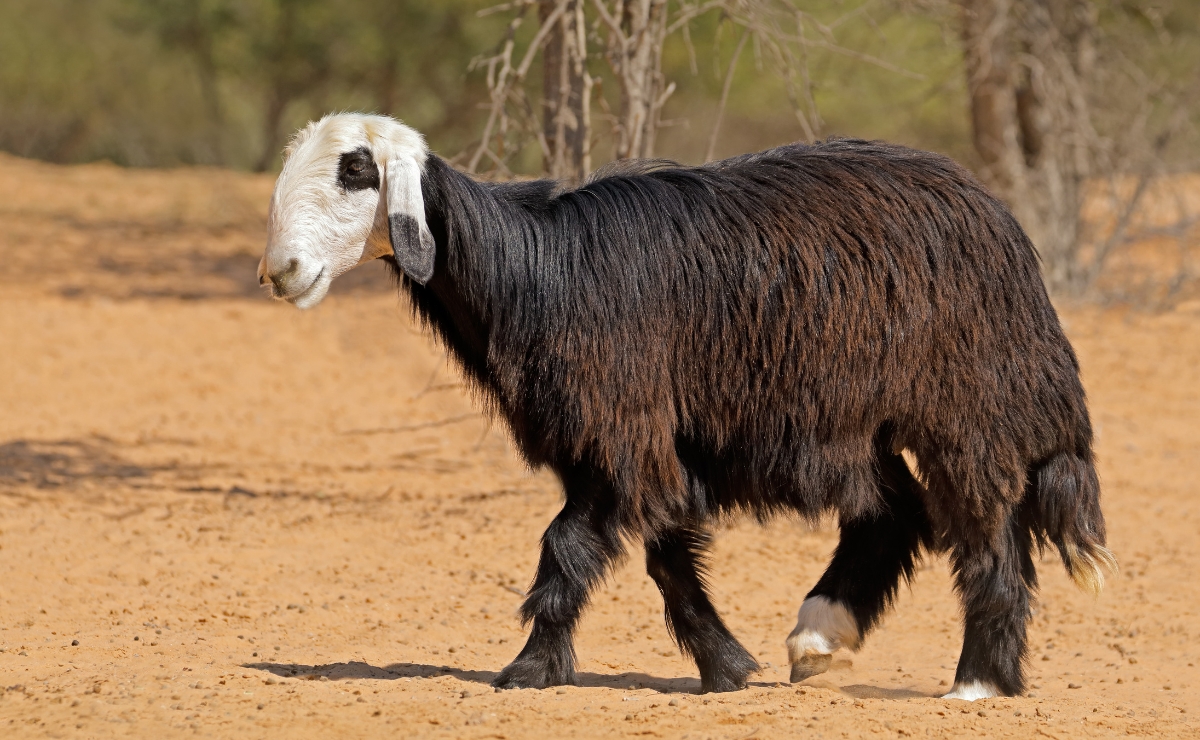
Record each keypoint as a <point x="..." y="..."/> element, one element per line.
<point x="357" y="170"/>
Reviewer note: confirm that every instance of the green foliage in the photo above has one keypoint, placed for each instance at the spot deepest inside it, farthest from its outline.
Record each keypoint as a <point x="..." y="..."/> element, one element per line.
<point x="910" y="90"/>
<point x="168" y="82"/>
<point x="1149" y="91"/>
<point x="71" y="82"/>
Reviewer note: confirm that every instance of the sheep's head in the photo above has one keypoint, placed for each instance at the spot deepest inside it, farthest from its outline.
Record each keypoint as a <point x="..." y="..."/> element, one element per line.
<point x="349" y="192"/>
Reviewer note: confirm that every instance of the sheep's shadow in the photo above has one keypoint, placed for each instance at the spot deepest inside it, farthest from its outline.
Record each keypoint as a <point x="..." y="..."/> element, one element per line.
<point x="361" y="670"/>
<point x="865" y="691"/>
<point x="617" y="681"/>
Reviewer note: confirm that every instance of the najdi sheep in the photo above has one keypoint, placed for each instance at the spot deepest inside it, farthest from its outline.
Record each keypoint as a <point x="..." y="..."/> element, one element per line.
<point x="766" y="334"/>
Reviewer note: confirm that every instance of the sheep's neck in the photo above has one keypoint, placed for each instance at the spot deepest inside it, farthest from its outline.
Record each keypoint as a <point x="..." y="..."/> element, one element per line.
<point x="489" y="244"/>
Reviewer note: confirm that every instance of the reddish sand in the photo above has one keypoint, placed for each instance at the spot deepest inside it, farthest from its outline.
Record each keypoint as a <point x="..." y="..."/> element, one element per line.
<point x="220" y="516"/>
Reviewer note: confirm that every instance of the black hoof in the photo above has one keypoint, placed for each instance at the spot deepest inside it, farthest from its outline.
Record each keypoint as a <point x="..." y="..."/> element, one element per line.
<point x="731" y="674"/>
<point x="809" y="665"/>
<point x="722" y="684"/>
<point x="530" y="674"/>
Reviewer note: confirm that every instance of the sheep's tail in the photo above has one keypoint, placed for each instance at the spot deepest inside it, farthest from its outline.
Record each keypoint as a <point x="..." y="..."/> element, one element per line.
<point x="1064" y="508"/>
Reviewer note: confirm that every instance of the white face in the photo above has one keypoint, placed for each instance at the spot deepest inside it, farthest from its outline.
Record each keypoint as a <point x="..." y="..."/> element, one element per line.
<point x="330" y="209"/>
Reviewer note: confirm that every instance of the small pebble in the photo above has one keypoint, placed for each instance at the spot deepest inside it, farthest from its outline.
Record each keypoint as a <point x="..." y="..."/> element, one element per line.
<point x="74" y="643"/>
<point x="673" y="703"/>
<point x="1074" y="686"/>
<point x="981" y="713"/>
<point x="561" y="691"/>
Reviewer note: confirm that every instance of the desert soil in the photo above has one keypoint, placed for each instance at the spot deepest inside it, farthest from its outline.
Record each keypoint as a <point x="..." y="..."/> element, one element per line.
<point x="220" y="516"/>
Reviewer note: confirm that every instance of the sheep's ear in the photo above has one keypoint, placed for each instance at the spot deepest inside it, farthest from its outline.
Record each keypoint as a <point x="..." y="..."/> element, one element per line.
<point x="412" y="242"/>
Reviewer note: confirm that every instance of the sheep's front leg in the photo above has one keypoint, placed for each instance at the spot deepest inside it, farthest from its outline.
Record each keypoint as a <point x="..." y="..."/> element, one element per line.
<point x="675" y="562"/>
<point x="577" y="548"/>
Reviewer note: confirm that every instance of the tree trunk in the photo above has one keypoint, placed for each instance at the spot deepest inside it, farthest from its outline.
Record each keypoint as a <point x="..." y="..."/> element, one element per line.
<point x="637" y="30"/>
<point x="272" y="117"/>
<point x="1027" y="63"/>
<point x="207" y="68"/>
<point x="987" y="39"/>
<point x="566" y="93"/>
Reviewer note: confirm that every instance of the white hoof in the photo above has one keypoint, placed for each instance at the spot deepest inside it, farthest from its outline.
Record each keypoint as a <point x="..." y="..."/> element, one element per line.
<point x="822" y="627"/>
<point x="809" y="665"/>
<point x="972" y="690"/>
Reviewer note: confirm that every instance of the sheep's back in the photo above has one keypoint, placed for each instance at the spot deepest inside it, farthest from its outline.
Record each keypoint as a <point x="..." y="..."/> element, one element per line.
<point x="812" y="290"/>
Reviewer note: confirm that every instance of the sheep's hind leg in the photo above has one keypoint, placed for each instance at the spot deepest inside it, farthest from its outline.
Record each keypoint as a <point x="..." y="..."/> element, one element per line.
<point x="873" y="554"/>
<point x="577" y="548"/>
<point x="675" y="561"/>
<point x="994" y="576"/>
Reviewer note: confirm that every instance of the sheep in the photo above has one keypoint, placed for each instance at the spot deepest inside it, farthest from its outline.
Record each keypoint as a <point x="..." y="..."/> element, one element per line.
<point x="768" y="334"/>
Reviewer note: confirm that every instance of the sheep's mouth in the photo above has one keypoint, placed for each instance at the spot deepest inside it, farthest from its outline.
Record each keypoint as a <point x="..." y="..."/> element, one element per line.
<point x="308" y="291"/>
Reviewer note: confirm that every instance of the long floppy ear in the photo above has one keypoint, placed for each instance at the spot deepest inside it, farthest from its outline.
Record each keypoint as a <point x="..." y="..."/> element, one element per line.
<point x="412" y="242"/>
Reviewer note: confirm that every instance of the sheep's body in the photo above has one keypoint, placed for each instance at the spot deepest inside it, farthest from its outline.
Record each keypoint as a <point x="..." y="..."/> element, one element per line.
<point x="754" y="323"/>
<point x="765" y="334"/>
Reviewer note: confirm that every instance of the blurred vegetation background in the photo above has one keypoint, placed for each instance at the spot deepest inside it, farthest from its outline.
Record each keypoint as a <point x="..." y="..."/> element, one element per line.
<point x="155" y="83"/>
<point x="223" y="82"/>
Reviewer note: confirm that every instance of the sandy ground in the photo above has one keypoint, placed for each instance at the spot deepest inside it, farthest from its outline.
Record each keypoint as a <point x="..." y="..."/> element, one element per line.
<point x="223" y="517"/>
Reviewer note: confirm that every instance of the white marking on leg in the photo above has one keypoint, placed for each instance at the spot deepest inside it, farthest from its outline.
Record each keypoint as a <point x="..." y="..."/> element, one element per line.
<point x="972" y="690"/>
<point x="822" y="626"/>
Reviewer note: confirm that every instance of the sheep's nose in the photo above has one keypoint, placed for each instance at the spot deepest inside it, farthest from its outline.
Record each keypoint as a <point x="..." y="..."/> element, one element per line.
<point x="278" y="277"/>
